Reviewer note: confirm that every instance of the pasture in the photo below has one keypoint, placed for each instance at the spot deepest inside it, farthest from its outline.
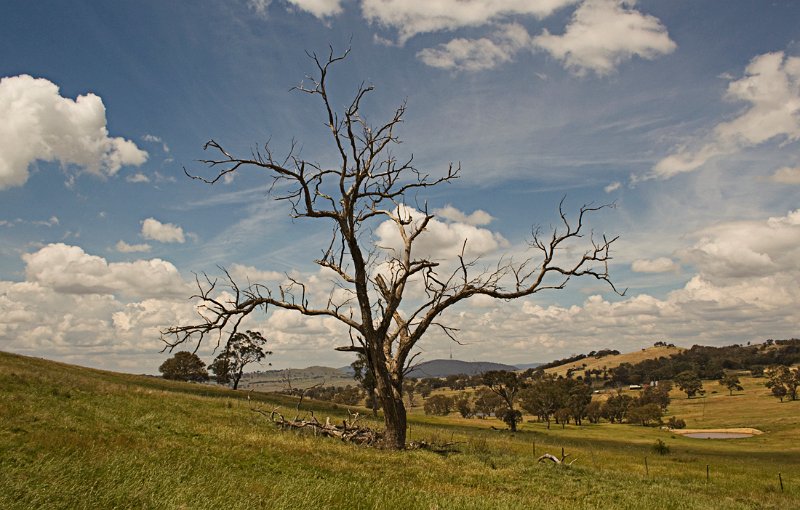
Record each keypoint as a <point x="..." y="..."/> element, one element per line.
<point x="73" y="437"/>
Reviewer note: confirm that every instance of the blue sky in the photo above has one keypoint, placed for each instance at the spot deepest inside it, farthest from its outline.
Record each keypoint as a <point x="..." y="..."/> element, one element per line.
<point x="684" y="113"/>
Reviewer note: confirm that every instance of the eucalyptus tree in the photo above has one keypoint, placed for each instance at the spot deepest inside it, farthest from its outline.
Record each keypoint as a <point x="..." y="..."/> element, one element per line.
<point x="370" y="186"/>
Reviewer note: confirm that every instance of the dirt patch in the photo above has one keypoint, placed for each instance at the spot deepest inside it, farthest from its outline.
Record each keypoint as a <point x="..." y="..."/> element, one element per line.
<point x="741" y="430"/>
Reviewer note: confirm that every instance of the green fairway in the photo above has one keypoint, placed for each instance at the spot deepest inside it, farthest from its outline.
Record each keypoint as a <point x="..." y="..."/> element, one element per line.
<point x="72" y="437"/>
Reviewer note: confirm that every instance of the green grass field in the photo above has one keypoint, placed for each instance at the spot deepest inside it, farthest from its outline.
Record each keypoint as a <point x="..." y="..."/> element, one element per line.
<point x="72" y="437"/>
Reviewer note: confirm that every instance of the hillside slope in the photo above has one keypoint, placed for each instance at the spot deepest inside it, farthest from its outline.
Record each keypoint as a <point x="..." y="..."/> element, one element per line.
<point x="615" y="360"/>
<point x="76" y="438"/>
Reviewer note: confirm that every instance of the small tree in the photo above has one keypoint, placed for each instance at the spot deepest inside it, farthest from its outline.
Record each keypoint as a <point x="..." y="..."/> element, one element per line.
<point x="657" y="395"/>
<point x="689" y="382"/>
<point x="544" y="397"/>
<point x="778" y="392"/>
<point x="562" y="416"/>
<point x="439" y="404"/>
<point x="784" y="381"/>
<point x="241" y="350"/>
<point x="510" y="417"/>
<point x="486" y="403"/>
<point x="732" y="383"/>
<point x="616" y="408"/>
<point x="676" y="423"/>
<point x="594" y="411"/>
<point x="184" y="366"/>
<point x="505" y="385"/>
<point x="464" y="406"/>
<point x="647" y="414"/>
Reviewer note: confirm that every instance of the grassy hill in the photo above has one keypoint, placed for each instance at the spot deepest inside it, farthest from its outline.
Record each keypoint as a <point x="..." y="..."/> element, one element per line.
<point x="77" y="438"/>
<point x="614" y="360"/>
<point x="276" y="380"/>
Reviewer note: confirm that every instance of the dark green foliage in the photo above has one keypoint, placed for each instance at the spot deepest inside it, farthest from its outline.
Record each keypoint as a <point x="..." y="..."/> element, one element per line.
<point x="464" y="406"/>
<point x="184" y="366"/>
<point x="731" y="382"/>
<point x="506" y="385"/>
<point x="689" y="382"/>
<point x="439" y="405"/>
<point x="486" y="403"/>
<point x="661" y="447"/>
<point x="577" y="357"/>
<point x="658" y="394"/>
<point x="676" y="423"/>
<point x="645" y="415"/>
<point x="710" y="362"/>
<point x="510" y="417"/>
<point x="616" y="408"/>
<point x="784" y="381"/>
<point x="241" y="350"/>
<point x="594" y="411"/>
<point x="544" y="397"/>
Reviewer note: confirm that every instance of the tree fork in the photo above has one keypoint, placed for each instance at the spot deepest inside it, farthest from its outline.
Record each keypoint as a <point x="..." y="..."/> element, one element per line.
<point x="367" y="186"/>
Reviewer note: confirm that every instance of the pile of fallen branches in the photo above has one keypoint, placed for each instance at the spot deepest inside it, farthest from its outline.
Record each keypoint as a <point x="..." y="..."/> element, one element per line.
<point x="349" y="430"/>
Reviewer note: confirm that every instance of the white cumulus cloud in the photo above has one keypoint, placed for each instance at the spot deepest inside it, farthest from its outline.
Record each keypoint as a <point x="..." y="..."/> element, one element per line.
<point x="137" y="178"/>
<point x="319" y="8"/>
<point x="478" y="217"/>
<point x="604" y="33"/>
<point x="441" y="240"/>
<point x="659" y="265"/>
<point x="786" y="175"/>
<point x="162" y="232"/>
<point x="478" y="54"/>
<point x="748" y="249"/>
<point x="771" y="89"/>
<point x="124" y="247"/>
<point x="39" y="124"/>
<point x="412" y="17"/>
<point x="70" y="270"/>
<point x="242" y="273"/>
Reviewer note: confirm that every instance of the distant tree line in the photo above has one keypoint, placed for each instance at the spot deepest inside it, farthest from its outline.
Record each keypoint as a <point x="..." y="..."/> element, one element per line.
<point x="553" y="399"/>
<point x="709" y="362"/>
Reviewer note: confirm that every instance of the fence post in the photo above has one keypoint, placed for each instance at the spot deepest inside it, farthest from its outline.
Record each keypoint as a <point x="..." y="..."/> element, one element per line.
<point x="780" y="479"/>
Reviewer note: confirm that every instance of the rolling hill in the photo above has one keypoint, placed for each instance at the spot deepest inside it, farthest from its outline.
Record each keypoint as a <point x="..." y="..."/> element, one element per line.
<point x="614" y="360"/>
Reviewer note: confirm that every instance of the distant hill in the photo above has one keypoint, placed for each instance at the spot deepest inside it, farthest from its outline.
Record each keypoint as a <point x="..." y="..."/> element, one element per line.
<point x="445" y="367"/>
<point x="526" y="366"/>
<point x="275" y="380"/>
<point x="614" y="360"/>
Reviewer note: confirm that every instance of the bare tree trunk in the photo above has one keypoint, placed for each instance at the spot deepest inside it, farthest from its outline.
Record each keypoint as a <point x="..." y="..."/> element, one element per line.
<point x="394" y="417"/>
<point x="389" y="386"/>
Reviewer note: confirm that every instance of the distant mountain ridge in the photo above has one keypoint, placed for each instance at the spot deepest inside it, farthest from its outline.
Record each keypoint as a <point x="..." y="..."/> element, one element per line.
<point x="445" y="367"/>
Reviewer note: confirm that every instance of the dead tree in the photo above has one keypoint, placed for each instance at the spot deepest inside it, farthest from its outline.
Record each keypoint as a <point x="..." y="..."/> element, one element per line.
<point x="369" y="185"/>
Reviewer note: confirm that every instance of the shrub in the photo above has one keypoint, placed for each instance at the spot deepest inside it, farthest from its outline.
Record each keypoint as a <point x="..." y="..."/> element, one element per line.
<point x="676" y="423"/>
<point x="661" y="447"/>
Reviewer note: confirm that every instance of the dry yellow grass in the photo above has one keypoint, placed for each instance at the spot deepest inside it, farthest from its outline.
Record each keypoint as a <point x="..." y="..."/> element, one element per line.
<point x="615" y="360"/>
